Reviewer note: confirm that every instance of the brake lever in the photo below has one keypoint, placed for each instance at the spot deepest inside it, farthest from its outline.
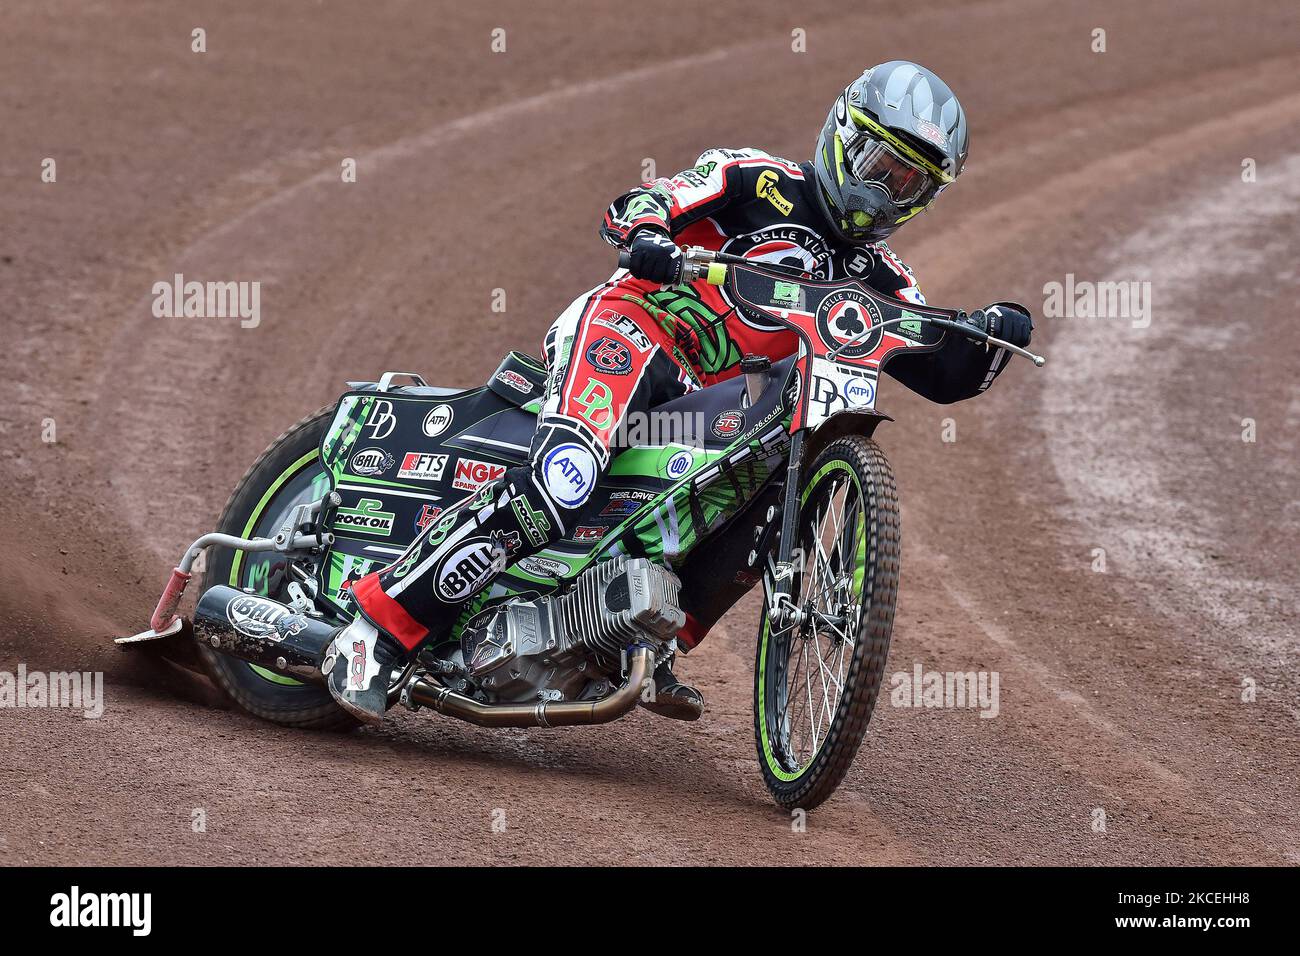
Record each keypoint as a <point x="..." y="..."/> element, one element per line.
<point x="977" y="334"/>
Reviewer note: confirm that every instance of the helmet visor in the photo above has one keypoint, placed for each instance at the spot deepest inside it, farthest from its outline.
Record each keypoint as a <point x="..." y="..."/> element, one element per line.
<point x="872" y="161"/>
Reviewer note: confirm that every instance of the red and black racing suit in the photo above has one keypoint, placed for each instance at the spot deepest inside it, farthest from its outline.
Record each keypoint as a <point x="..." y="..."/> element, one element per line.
<point x="629" y="345"/>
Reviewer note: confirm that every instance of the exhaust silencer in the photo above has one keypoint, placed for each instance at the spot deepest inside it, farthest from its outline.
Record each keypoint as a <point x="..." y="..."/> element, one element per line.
<point x="262" y="631"/>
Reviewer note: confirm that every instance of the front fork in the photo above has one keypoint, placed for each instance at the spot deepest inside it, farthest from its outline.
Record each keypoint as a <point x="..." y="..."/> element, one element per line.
<point x="780" y="573"/>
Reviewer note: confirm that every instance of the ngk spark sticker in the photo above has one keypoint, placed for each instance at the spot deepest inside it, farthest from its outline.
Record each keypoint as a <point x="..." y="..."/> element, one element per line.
<point x="472" y="474"/>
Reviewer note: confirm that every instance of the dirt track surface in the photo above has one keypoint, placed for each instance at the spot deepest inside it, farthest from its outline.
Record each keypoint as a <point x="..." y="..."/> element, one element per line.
<point x="1121" y="691"/>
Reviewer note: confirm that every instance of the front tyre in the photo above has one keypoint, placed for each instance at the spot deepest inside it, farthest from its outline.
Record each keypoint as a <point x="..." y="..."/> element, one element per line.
<point x="819" y="669"/>
<point x="287" y="474"/>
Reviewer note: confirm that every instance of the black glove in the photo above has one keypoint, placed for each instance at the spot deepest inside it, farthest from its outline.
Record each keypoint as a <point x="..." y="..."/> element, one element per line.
<point x="1007" y="321"/>
<point x="655" y="257"/>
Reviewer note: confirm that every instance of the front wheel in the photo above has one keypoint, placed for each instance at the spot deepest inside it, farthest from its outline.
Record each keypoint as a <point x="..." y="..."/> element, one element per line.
<point x="819" y="668"/>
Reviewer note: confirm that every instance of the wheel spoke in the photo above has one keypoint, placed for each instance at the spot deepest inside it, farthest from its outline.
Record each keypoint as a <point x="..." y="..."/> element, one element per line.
<point x="830" y="615"/>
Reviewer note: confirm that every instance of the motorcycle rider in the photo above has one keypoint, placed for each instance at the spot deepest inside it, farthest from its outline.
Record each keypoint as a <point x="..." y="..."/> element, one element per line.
<point x="894" y="139"/>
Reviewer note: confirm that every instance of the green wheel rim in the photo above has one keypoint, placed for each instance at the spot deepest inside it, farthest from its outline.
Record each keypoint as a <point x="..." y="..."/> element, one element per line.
<point x="833" y="468"/>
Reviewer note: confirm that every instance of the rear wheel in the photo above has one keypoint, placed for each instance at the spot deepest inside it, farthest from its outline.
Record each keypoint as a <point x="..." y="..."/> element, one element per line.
<point x="287" y="474"/>
<point x="819" y="668"/>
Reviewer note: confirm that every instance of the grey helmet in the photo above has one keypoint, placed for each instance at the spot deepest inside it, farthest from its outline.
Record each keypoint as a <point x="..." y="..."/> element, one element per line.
<point x="893" y="140"/>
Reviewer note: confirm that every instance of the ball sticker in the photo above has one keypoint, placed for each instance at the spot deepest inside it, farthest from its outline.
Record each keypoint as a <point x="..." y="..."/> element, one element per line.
<point x="468" y="569"/>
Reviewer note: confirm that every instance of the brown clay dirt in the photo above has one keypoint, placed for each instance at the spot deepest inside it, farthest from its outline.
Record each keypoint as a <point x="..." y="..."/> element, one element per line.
<point x="1120" y="691"/>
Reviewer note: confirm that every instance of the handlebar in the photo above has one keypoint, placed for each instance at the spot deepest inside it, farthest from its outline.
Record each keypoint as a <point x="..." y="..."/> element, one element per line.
<point x="711" y="266"/>
<point x="708" y="265"/>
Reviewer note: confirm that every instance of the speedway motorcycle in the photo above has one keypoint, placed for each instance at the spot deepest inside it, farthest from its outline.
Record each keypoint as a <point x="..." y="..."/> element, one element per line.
<point x="784" y="485"/>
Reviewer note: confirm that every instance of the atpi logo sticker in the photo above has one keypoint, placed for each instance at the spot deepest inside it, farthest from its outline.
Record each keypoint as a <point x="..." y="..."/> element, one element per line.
<point x="844" y="317"/>
<point x="570" y="473"/>
<point x="859" y="392"/>
<point x="438" y="420"/>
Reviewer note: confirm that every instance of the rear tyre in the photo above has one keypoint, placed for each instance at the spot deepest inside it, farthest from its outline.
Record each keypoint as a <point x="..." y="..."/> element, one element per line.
<point x="287" y="474"/>
<point x="816" y="678"/>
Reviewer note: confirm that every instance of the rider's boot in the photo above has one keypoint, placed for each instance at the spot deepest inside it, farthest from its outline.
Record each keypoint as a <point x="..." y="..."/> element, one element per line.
<point x="672" y="698"/>
<point x="359" y="666"/>
<point x="454" y="558"/>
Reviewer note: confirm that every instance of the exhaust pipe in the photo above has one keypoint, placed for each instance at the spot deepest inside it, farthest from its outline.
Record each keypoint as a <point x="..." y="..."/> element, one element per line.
<point x="262" y="631"/>
<point x="641" y="659"/>
<point x="265" y="632"/>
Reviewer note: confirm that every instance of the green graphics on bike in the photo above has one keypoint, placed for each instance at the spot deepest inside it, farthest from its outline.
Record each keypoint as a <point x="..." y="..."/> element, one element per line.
<point x="353" y="411"/>
<point x="715" y="485"/>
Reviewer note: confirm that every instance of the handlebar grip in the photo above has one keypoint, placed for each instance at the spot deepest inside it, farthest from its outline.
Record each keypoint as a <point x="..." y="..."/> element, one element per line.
<point x="624" y="259"/>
